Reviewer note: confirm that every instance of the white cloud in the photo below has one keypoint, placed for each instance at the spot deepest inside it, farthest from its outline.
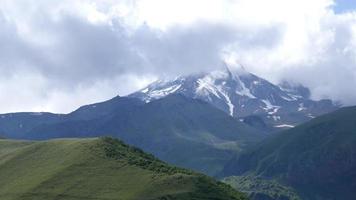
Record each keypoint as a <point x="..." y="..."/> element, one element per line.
<point x="85" y="51"/>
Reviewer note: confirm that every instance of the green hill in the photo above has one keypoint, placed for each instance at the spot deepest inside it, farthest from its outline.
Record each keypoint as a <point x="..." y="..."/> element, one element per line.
<point x="317" y="158"/>
<point x="186" y="132"/>
<point x="104" y="169"/>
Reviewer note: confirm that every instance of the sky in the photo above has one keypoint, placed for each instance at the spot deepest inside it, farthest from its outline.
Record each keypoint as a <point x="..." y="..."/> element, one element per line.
<point x="344" y="6"/>
<point x="58" y="55"/>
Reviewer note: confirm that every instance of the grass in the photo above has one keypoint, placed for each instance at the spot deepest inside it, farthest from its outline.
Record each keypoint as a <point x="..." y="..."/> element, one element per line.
<point x="103" y="168"/>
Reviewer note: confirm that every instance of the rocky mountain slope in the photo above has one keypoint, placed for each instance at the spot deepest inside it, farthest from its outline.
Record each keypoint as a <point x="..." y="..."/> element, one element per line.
<point x="245" y="96"/>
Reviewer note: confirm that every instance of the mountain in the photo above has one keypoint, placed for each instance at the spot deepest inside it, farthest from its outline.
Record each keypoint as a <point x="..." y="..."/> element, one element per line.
<point x="103" y="109"/>
<point x="182" y="131"/>
<point x="317" y="158"/>
<point x="242" y="94"/>
<point x="13" y="125"/>
<point x="104" y="168"/>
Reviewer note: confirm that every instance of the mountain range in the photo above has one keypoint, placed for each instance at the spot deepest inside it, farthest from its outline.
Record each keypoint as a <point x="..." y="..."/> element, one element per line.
<point x="217" y="123"/>
<point x="245" y="96"/>
<point x="199" y="121"/>
<point x="186" y="132"/>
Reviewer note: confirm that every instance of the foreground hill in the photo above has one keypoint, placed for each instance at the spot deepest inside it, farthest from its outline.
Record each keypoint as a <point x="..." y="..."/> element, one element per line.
<point x="105" y="168"/>
<point x="182" y="131"/>
<point x="318" y="158"/>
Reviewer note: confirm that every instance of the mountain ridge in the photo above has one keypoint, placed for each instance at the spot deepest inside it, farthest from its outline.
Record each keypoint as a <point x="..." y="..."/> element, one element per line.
<point x="316" y="158"/>
<point x="242" y="94"/>
<point x="182" y="131"/>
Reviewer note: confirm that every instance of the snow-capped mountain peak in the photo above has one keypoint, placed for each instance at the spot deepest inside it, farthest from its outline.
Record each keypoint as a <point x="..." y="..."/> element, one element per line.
<point x="241" y="94"/>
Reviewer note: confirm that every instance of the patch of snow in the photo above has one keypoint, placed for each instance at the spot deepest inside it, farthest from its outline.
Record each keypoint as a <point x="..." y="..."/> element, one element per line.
<point x="274" y="111"/>
<point x="206" y="86"/>
<point x="284" y="126"/>
<point x="244" y="91"/>
<point x="268" y="104"/>
<point x="175" y="89"/>
<point x="301" y="107"/>
<point x="276" y="118"/>
<point x="229" y="103"/>
<point x="155" y="94"/>
<point x="296" y="97"/>
<point x="270" y="108"/>
<point x="145" y="90"/>
<point x="290" y="98"/>
<point x="311" y="116"/>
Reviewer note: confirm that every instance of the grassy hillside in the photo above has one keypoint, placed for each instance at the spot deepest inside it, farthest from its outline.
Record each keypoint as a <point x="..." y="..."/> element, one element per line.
<point x="102" y="168"/>
<point x="317" y="158"/>
<point x="182" y="131"/>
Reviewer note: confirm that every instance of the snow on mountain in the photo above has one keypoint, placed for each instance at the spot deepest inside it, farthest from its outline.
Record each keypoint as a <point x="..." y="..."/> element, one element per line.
<point x="242" y="94"/>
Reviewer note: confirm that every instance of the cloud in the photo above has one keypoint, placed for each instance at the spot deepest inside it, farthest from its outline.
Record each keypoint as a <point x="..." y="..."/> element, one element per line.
<point x="196" y="48"/>
<point x="320" y="54"/>
<point x="65" y="54"/>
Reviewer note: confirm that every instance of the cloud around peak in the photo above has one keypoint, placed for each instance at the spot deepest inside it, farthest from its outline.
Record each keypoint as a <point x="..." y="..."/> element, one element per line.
<point x="51" y="48"/>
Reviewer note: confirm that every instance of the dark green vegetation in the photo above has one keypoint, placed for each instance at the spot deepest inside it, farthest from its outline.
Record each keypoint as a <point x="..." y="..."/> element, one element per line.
<point x="318" y="158"/>
<point x="182" y="131"/>
<point x="262" y="189"/>
<point x="104" y="169"/>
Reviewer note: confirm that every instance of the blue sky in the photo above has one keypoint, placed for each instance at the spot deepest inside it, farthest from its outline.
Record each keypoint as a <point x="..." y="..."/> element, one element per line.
<point x="345" y="5"/>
